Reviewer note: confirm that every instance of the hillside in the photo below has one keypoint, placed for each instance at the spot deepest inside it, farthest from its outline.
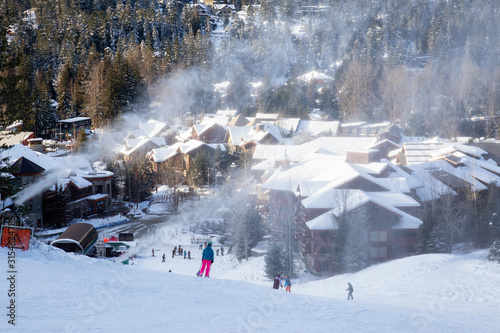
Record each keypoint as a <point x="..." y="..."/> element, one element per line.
<point x="59" y="292"/>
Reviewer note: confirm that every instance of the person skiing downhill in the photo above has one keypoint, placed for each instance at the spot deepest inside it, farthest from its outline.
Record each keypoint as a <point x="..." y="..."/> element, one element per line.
<point x="288" y="284"/>
<point x="207" y="259"/>
<point x="351" y="289"/>
<point x="277" y="282"/>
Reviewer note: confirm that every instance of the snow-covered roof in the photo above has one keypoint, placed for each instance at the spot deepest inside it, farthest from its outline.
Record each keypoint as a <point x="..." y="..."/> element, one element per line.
<point x="153" y="128"/>
<point x="239" y="134"/>
<point x="203" y="127"/>
<point x="18" y="150"/>
<point x="227" y="113"/>
<point x="354" y="124"/>
<point x="316" y="167"/>
<point x="11" y="138"/>
<point x="308" y="188"/>
<point x="134" y="145"/>
<point x="215" y="118"/>
<point x="80" y="182"/>
<point x="334" y="145"/>
<point x="464" y="173"/>
<point x="317" y="127"/>
<point x="265" y="165"/>
<point x="160" y="141"/>
<point x="411" y="181"/>
<point x="424" y="151"/>
<point x="432" y="188"/>
<point x="288" y="125"/>
<point x="14" y="126"/>
<point x="162" y="154"/>
<point x="331" y="197"/>
<point x="97" y="196"/>
<point x="315" y="76"/>
<point x="74" y="120"/>
<point x="222" y="86"/>
<point x="263" y="152"/>
<point x="326" y="221"/>
<point x="267" y="116"/>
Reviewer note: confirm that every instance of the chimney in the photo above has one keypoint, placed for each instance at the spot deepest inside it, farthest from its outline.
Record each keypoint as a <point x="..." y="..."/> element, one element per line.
<point x="285" y="165"/>
<point x="363" y="157"/>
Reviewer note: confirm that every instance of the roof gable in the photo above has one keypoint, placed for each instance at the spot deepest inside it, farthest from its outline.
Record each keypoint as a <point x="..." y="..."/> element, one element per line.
<point x="25" y="166"/>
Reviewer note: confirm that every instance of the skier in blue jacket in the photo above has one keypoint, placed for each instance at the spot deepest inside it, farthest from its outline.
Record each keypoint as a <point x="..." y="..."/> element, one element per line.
<point x="207" y="259"/>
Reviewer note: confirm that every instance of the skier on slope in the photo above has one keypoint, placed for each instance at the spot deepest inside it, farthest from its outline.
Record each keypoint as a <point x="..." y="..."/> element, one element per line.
<point x="351" y="289"/>
<point x="277" y="282"/>
<point x="288" y="284"/>
<point x="207" y="259"/>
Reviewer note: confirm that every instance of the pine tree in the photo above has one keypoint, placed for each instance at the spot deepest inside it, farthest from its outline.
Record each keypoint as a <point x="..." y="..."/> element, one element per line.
<point x="355" y="251"/>
<point x="8" y="185"/>
<point x="56" y="217"/>
<point x="246" y="226"/>
<point x="198" y="173"/>
<point x="43" y="110"/>
<point x="339" y="243"/>
<point x="64" y="103"/>
<point x="494" y="254"/>
<point x="437" y="242"/>
<point x="274" y="261"/>
<point x="146" y="182"/>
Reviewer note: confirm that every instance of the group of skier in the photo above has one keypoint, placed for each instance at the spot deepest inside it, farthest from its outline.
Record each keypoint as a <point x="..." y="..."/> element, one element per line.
<point x="207" y="259"/>
<point x="288" y="285"/>
<point x="278" y="283"/>
<point x="181" y="251"/>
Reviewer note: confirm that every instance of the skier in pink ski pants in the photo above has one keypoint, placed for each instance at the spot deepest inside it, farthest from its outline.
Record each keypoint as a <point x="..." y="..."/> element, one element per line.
<point x="207" y="260"/>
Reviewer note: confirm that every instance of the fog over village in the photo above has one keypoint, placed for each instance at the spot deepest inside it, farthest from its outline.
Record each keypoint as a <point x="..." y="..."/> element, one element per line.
<point x="294" y="155"/>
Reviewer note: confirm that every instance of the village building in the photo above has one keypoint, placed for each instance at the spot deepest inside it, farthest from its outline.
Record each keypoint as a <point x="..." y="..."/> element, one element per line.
<point x="10" y="138"/>
<point x="149" y="135"/>
<point x="86" y="191"/>
<point x="73" y="127"/>
<point x="180" y="156"/>
<point x="209" y="133"/>
<point x="349" y="177"/>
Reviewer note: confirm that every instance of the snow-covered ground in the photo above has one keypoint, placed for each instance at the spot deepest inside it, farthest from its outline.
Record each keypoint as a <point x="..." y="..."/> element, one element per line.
<point x="60" y="292"/>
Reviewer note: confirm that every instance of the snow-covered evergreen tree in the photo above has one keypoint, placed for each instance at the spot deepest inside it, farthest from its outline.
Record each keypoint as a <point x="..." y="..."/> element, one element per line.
<point x="274" y="261"/>
<point x="355" y="250"/>
<point x="494" y="254"/>
<point x="437" y="242"/>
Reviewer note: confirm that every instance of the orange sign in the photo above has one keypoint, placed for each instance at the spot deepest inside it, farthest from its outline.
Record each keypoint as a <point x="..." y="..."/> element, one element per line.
<point x="15" y="237"/>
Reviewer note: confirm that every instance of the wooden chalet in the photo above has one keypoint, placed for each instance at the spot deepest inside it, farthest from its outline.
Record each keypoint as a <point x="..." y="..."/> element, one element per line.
<point x="390" y="232"/>
<point x="209" y="133"/>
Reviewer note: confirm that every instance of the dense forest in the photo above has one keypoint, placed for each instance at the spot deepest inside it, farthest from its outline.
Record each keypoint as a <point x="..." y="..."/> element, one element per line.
<point x="421" y="63"/>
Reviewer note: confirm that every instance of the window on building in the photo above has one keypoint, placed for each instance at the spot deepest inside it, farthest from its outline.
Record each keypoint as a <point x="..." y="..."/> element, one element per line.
<point x="378" y="252"/>
<point x="378" y="236"/>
